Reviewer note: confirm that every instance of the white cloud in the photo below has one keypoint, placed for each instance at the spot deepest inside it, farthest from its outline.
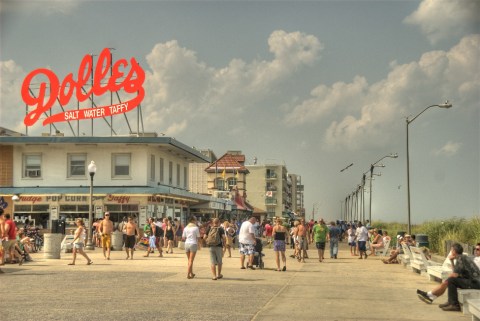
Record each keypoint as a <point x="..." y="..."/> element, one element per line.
<point x="439" y="19"/>
<point x="179" y="87"/>
<point x="449" y="149"/>
<point x="440" y="74"/>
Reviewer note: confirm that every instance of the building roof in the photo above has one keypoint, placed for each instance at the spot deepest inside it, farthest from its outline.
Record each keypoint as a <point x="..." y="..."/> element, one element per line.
<point x="167" y="143"/>
<point x="229" y="163"/>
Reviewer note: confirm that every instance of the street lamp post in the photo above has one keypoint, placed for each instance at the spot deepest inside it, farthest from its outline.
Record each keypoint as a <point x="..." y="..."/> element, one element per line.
<point x="445" y="105"/>
<point x="376" y="164"/>
<point x="92" y="168"/>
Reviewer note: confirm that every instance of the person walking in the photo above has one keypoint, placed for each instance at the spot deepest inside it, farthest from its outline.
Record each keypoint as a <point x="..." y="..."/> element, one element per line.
<point x="2" y="236"/>
<point x="149" y="231"/>
<point x="132" y="235"/>
<point x="79" y="242"/>
<point x="334" y="235"/>
<point x="320" y="233"/>
<point x="362" y="238"/>
<point x="279" y="235"/>
<point x="351" y="240"/>
<point x="247" y="241"/>
<point x="106" y="230"/>
<point x="215" y="238"/>
<point x="170" y="235"/>
<point x="191" y="236"/>
<point x="229" y="234"/>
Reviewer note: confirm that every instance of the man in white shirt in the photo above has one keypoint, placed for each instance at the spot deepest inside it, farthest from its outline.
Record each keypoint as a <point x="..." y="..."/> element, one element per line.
<point x="362" y="238"/>
<point x="246" y="238"/>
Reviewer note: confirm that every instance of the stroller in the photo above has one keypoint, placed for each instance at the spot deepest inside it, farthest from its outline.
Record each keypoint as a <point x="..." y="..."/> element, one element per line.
<point x="258" y="255"/>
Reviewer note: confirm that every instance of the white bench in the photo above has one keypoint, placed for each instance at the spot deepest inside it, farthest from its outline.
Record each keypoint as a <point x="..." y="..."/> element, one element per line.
<point x="407" y="256"/>
<point x="436" y="272"/>
<point x="465" y="296"/>
<point x="474" y="309"/>
<point x="382" y="251"/>
<point x="420" y="262"/>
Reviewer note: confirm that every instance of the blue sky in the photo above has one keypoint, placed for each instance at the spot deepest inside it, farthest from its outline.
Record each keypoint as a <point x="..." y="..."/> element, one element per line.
<point x="316" y="85"/>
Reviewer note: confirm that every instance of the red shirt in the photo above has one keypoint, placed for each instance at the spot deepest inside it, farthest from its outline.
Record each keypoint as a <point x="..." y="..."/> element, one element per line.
<point x="12" y="233"/>
<point x="268" y="230"/>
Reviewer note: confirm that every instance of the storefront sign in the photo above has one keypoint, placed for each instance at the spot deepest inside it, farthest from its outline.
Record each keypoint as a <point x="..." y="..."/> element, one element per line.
<point x="32" y="199"/>
<point x="131" y="83"/>
<point x="120" y="199"/>
<point x="72" y="198"/>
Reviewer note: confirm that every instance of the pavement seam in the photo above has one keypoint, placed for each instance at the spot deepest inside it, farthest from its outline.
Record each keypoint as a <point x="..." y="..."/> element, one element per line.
<point x="265" y="306"/>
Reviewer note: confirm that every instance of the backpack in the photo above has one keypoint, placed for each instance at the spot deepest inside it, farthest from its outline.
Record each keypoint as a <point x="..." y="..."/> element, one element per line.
<point x="213" y="237"/>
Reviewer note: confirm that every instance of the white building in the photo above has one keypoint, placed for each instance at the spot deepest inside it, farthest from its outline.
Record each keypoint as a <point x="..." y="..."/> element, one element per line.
<point x="138" y="176"/>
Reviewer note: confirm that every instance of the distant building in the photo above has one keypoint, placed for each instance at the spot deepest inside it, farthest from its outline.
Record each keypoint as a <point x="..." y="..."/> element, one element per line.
<point x="297" y="194"/>
<point x="227" y="179"/>
<point x="270" y="189"/>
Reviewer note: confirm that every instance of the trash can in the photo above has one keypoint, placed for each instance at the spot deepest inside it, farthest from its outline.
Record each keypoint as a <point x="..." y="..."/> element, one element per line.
<point x="422" y="240"/>
<point x="117" y="240"/>
<point x="58" y="226"/>
<point x="52" y="244"/>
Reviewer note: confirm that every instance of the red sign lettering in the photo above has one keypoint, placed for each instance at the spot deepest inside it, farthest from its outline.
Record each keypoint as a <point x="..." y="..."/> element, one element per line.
<point x="32" y="199"/>
<point x="131" y="83"/>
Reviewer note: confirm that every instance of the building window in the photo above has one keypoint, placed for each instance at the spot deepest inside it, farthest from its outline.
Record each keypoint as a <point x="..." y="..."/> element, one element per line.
<point x="219" y="184"/>
<point x="121" y="165"/>
<point x="178" y="174"/>
<point x="231" y="182"/>
<point x="152" y="168"/>
<point x="32" y="165"/>
<point x="170" y="173"/>
<point x="162" y="170"/>
<point x="185" y="176"/>
<point x="271" y="173"/>
<point x="76" y="165"/>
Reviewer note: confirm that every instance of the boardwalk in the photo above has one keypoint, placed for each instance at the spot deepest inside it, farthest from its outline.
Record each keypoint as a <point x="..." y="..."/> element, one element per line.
<point x="157" y="289"/>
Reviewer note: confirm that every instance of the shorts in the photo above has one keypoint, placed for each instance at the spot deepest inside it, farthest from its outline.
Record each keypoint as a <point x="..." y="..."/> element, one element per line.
<point x="352" y="243"/>
<point x="106" y="241"/>
<point x="302" y="243"/>
<point x="191" y="247"/>
<point x="216" y="254"/>
<point x="362" y="246"/>
<point x="246" y="249"/>
<point x="78" y="246"/>
<point x="151" y="241"/>
<point x="320" y="245"/>
<point x="9" y="245"/>
<point x="130" y="241"/>
<point x="279" y="246"/>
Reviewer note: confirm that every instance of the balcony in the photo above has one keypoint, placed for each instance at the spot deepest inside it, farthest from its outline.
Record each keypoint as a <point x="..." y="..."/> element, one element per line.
<point x="272" y="188"/>
<point x="271" y="176"/>
<point x="270" y="201"/>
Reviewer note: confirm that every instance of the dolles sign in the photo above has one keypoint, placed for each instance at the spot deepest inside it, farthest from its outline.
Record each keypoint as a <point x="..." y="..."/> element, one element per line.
<point x="131" y="83"/>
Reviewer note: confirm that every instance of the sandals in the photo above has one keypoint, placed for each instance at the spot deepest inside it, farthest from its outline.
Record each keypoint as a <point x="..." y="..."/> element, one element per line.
<point x="284" y="268"/>
<point x="220" y="276"/>
<point x="71" y="263"/>
<point x="90" y="263"/>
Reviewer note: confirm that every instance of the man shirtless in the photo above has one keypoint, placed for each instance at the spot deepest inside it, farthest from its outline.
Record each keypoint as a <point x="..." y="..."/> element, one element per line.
<point x="301" y="233"/>
<point x="106" y="230"/>
<point x="132" y="234"/>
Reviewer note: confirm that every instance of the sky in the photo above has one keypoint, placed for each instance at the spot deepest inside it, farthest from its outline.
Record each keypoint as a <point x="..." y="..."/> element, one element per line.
<point x="314" y="85"/>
